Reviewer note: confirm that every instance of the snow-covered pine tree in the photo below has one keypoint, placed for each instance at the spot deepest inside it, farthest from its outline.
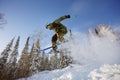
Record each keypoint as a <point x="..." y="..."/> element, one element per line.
<point x="5" y="53"/>
<point x="54" y="62"/>
<point x="43" y="61"/>
<point x="35" y="59"/>
<point x="24" y="62"/>
<point x="4" y="57"/>
<point x="12" y="62"/>
<point x="65" y="58"/>
<point x="30" y="55"/>
<point x="47" y="63"/>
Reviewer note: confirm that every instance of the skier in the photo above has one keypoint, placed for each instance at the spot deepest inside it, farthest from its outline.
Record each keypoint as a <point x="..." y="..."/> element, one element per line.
<point x="60" y="30"/>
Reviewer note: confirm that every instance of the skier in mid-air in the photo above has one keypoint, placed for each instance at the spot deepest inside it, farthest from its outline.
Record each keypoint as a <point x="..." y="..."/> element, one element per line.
<point x="60" y="30"/>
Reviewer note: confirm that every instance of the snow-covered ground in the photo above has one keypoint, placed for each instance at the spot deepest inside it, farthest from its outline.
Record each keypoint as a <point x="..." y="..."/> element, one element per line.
<point x="80" y="72"/>
<point x="106" y="72"/>
<point x="97" y="58"/>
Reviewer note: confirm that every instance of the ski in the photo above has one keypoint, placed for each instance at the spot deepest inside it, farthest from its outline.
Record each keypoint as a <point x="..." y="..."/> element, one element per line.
<point x="42" y="50"/>
<point x="47" y="48"/>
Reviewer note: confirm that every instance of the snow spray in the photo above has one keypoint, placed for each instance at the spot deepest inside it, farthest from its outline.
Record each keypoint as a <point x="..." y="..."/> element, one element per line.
<point x="86" y="48"/>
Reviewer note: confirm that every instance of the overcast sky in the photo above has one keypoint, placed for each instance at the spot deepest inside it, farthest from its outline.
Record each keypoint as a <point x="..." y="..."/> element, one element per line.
<point x="25" y="17"/>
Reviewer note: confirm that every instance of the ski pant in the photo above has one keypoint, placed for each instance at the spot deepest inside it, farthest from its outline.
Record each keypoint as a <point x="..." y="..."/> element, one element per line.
<point x="58" y="35"/>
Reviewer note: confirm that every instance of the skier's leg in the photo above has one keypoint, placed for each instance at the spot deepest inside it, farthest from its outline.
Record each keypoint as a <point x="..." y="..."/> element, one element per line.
<point x="61" y="33"/>
<point x="60" y="36"/>
<point x="54" y="41"/>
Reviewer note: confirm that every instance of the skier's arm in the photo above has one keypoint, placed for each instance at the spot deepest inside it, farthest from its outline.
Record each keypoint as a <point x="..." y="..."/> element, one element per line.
<point x="62" y="18"/>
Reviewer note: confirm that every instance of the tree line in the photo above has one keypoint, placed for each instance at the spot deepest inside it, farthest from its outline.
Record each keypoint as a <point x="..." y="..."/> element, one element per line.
<point x="31" y="61"/>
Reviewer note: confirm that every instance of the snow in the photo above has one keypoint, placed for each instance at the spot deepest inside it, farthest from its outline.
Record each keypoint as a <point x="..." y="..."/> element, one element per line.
<point x="80" y="72"/>
<point x="97" y="58"/>
<point x="70" y="73"/>
<point x="106" y="72"/>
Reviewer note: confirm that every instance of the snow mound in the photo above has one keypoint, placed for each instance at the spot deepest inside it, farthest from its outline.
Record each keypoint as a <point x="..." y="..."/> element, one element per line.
<point x="80" y="72"/>
<point x="106" y="72"/>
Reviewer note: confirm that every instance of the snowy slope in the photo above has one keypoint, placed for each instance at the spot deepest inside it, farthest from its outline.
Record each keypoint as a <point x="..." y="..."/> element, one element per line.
<point x="80" y="72"/>
<point x="97" y="58"/>
<point x="106" y="72"/>
<point x="74" y="72"/>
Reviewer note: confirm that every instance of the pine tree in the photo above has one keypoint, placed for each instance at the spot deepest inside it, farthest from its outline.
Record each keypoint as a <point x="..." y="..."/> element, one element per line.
<point x="54" y="62"/>
<point x="31" y="53"/>
<point x="24" y="62"/>
<point x="4" y="54"/>
<point x="47" y="64"/>
<point x="42" y="68"/>
<point x="12" y="62"/>
<point x="3" y="59"/>
<point x="65" y="58"/>
<point x="35" y="59"/>
<point x="14" y="54"/>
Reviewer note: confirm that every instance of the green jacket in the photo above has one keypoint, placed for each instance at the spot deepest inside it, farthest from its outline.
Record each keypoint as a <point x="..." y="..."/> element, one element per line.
<point x="57" y="26"/>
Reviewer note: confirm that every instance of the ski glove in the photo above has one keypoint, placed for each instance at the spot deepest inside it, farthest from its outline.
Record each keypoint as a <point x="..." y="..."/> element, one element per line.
<point x="67" y="16"/>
